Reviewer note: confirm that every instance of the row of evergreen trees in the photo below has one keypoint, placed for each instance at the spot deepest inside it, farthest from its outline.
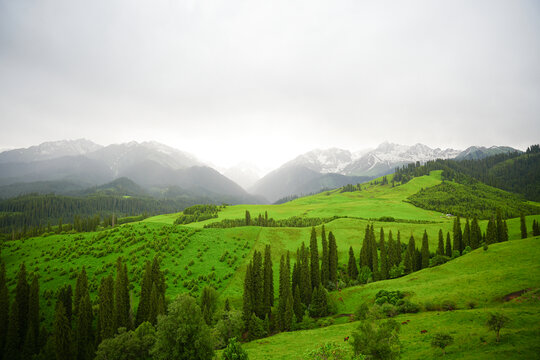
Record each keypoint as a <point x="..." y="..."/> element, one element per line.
<point x="73" y="334"/>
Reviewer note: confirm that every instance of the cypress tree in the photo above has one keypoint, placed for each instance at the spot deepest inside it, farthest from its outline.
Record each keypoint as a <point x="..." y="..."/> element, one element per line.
<point x="374" y="255"/>
<point x="448" y="248"/>
<point x="425" y="251"/>
<point x="85" y="333"/>
<point x="491" y="232"/>
<point x="248" y="218"/>
<point x="268" y="294"/>
<point x="418" y="260"/>
<point x="106" y="308"/>
<point x="315" y="275"/>
<point x="505" y="231"/>
<point x="536" y="228"/>
<point x="12" y="340"/>
<point x="65" y="295"/>
<point x="285" y="296"/>
<point x="33" y="316"/>
<point x="458" y="236"/>
<point x="440" y="247"/>
<point x="365" y="252"/>
<point x="305" y="276"/>
<point x="146" y="291"/>
<point x="385" y="268"/>
<point x="62" y="333"/>
<point x="500" y="226"/>
<point x="467" y="234"/>
<point x="257" y="285"/>
<point x="352" y="270"/>
<point x="122" y="306"/>
<point x="30" y="346"/>
<point x="332" y="258"/>
<point x="325" y="263"/>
<point x="523" y="226"/>
<point x="4" y="308"/>
<point x="476" y="234"/>
<point x="247" y="303"/>
<point x="22" y="291"/>
<point x="81" y="287"/>
<point x="398" y="249"/>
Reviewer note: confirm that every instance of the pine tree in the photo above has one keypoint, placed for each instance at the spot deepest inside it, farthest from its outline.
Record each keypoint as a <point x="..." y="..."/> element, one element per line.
<point x="122" y="306"/>
<point x="315" y="275"/>
<point x="374" y="255"/>
<point x="62" y="334"/>
<point x="285" y="295"/>
<point x="536" y="228"/>
<point x="523" y="226"/>
<point x="425" y="251"/>
<point x="84" y="333"/>
<point x="65" y="295"/>
<point x="4" y="308"/>
<point x="352" y="269"/>
<point x="440" y="248"/>
<point x="385" y="269"/>
<point x="268" y="293"/>
<point x="305" y="275"/>
<point x="418" y="260"/>
<point x="365" y="259"/>
<point x="332" y="258"/>
<point x="12" y="340"/>
<point x="448" y="248"/>
<point x="325" y="261"/>
<point x="22" y="291"/>
<point x="106" y="308"/>
<point x="500" y="226"/>
<point x="458" y="236"/>
<point x="505" y="231"/>
<point x="476" y="234"/>
<point x="248" y="218"/>
<point x="33" y="316"/>
<point x="146" y="290"/>
<point x="247" y="298"/>
<point x="467" y="234"/>
<point x="491" y="232"/>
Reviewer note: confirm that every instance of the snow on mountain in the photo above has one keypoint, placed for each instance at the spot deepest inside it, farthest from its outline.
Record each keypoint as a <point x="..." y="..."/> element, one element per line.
<point x="49" y="150"/>
<point x="324" y="161"/>
<point x="244" y="174"/>
<point x="480" y="152"/>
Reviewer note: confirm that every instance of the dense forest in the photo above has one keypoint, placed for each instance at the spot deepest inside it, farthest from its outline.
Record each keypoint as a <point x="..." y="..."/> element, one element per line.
<point x="514" y="172"/>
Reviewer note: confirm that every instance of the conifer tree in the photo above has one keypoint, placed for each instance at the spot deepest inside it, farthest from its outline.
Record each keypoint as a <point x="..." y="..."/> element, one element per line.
<point x="448" y="248"/>
<point x="33" y="316"/>
<point x="418" y="259"/>
<point x="398" y="249"/>
<point x="305" y="276"/>
<point x="425" y="251"/>
<point x="146" y="290"/>
<point x="84" y="331"/>
<point x="440" y="247"/>
<point x="505" y="231"/>
<point x="106" y="308"/>
<point x="536" y="228"/>
<point x="247" y="303"/>
<point x="12" y="340"/>
<point x="268" y="291"/>
<point x="467" y="234"/>
<point x="352" y="269"/>
<point x="81" y="287"/>
<point x="4" y="308"/>
<point x="325" y="260"/>
<point x="285" y="296"/>
<point x="297" y="304"/>
<point x="500" y="226"/>
<point x="122" y="306"/>
<point x="491" y="232"/>
<point x="315" y="275"/>
<point x="209" y="298"/>
<point x="62" y="334"/>
<point x="391" y="250"/>
<point x="410" y="256"/>
<point x="385" y="268"/>
<point x="523" y="226"/>
<point x="332" y="258"/>
<point x="458" y="236"/>
<point x="374" y="255"/>
<point x="257" y="285"/>
<point x="22" y="291"/>
<point x="248" y="218"/>
<point x="476" y="234"/>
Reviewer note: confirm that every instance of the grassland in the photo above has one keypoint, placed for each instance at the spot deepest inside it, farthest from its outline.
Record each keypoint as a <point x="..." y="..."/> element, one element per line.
<point x="193" y="256"/>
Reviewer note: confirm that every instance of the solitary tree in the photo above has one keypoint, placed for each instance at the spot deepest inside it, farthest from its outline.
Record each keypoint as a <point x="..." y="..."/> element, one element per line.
<point x="352" y="269"/>
<point x="442" y="340"/>
<point x="440" y="247"/>
<point x="496" y="322"/>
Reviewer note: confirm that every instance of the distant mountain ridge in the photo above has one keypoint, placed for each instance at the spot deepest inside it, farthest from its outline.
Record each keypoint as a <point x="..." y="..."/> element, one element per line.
<point x="49" y="150"/>
<point x="481" y="152"/>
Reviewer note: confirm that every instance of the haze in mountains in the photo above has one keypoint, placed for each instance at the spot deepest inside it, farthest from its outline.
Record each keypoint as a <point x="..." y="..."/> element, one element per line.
<point x="481" y="152"/>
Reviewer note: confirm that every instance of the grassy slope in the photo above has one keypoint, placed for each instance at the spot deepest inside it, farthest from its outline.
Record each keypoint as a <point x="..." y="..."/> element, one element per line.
<point x="480" y="276"/>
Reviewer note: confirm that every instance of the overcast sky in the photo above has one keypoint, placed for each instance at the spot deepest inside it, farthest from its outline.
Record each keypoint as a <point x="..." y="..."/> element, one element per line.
<point x="234" y="80"/>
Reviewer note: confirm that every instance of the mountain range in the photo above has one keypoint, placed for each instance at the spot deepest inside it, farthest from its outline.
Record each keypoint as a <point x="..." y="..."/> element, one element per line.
<point x="75" y="167"/>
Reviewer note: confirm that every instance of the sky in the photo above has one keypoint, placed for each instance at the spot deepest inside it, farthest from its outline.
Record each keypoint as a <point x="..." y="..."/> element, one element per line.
<point x="263" y="81"/>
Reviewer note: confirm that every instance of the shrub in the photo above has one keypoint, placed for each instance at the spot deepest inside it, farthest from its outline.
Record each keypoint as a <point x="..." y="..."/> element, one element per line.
<point x="449" y="305"/>
<point x="442" y="340"/>
<point x="408" y="307"/>
<point x="361" y="312"/>
<point x="234" y="351"/>
<point x="471" y="304"/>
<point x="389" y="310"/>
<point x="429" y="306"/>
<point x="438" y="260"/>
<point x="380" y="342"/>
<point x="328" y="351"/>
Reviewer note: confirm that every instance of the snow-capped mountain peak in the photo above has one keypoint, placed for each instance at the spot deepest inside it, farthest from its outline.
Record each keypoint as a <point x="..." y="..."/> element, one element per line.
<point x="331" y="160"/>
<point x="50" y="150"/>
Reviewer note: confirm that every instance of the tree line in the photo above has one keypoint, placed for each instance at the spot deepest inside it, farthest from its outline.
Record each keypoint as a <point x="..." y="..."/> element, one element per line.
<point x="264" y="221"/>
